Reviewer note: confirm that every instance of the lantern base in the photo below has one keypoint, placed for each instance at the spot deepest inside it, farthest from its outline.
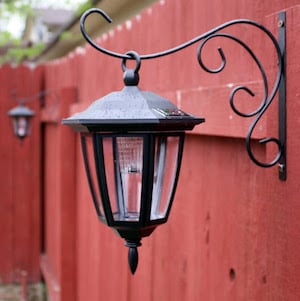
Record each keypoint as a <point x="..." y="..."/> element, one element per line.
<point x="133" y="255"/>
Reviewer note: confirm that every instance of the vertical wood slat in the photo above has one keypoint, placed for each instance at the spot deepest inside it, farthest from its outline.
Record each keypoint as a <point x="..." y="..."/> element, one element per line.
<point x="58" y="264"/>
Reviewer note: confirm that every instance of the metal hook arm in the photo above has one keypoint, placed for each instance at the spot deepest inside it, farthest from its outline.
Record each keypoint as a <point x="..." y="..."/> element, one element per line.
<point x="88" y="38"/>
<point x="168" y="51"/>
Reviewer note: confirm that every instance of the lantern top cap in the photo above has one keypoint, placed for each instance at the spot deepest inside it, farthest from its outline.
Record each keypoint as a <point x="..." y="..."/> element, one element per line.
<point x="20" y="111"/>
<point x="132" y="109"/>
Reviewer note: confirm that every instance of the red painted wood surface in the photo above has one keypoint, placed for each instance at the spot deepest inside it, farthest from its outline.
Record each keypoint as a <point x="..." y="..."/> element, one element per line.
<point x="19" y="178"/>
<point x="233" y="233"/>
<point x="59" y="198"/>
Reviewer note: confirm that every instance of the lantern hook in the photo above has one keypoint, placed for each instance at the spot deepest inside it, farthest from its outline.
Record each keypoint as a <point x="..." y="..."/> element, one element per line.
<point x="171" y="50"/>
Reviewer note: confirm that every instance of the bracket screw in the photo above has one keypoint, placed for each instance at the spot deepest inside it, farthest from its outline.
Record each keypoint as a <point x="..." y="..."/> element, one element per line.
<point x="281" y="168"/>
<point x="280" y="23"/>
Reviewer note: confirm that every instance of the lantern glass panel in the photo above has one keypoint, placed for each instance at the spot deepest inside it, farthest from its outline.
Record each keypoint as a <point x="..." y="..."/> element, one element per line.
<point x="125" y="161"/>
<point x="90" y="166"/>
<point x="21" y="126"/>
<point x="165" y="169"/>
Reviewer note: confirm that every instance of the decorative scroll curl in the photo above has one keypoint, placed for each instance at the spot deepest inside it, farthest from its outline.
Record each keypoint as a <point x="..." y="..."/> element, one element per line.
<point x="203" y="39"/>
<point x="266" y="99"/>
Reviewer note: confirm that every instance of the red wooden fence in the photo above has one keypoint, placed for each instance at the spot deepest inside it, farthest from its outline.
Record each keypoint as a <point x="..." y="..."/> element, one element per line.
<point x="233" y="233"/>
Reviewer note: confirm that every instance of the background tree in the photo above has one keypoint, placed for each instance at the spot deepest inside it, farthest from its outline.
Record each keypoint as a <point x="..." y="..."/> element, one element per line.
<point x="17" y="19"/>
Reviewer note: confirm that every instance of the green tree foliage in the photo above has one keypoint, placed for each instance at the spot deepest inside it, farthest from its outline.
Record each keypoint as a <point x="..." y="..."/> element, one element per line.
<point x="13" y="47"/>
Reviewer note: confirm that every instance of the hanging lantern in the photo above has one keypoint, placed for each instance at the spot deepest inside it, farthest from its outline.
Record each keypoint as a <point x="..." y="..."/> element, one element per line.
<point x="21" y="116"/>
<point x="132" y="143"/>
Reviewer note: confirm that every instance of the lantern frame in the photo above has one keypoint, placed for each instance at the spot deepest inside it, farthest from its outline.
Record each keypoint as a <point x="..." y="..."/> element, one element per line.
<point x="151" y="117"/>
<point x="145" y="219"/>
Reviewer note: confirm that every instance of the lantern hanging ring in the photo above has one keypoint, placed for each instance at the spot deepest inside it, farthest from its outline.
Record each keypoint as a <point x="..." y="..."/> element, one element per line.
<point x="131" y="76"/>
<point x="132" y="55"/>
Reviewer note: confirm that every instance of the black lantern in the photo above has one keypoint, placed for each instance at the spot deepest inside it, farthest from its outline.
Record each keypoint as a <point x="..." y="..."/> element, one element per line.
<point x="132" y="143"/>
<point x="21" y="116"/>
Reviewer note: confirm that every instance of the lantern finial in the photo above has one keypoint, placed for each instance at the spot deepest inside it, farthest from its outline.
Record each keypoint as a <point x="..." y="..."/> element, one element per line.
<point x="133" y="255"/>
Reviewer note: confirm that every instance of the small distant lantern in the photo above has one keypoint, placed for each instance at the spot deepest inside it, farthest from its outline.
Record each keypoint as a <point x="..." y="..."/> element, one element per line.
<point x="21" y="116"/>
<point x="132" y="143"/>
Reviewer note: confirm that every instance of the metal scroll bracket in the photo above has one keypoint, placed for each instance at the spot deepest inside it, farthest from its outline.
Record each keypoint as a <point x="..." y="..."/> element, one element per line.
<point x="278" y="88"/>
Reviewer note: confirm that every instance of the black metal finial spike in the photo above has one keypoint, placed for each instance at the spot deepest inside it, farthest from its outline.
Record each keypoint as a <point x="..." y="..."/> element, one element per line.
<point x="133" y="259"/>
<point x="133" y="255"/>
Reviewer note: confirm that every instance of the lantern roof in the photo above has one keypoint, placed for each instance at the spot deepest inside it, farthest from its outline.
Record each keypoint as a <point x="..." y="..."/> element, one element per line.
<point x="132" y="109"/>
<point x="20" y="111"/>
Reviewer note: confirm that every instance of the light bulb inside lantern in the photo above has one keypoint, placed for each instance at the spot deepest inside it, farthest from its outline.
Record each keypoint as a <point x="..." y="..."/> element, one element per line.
<point x="130" y="162"/>
<point x="21" y="127"/>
